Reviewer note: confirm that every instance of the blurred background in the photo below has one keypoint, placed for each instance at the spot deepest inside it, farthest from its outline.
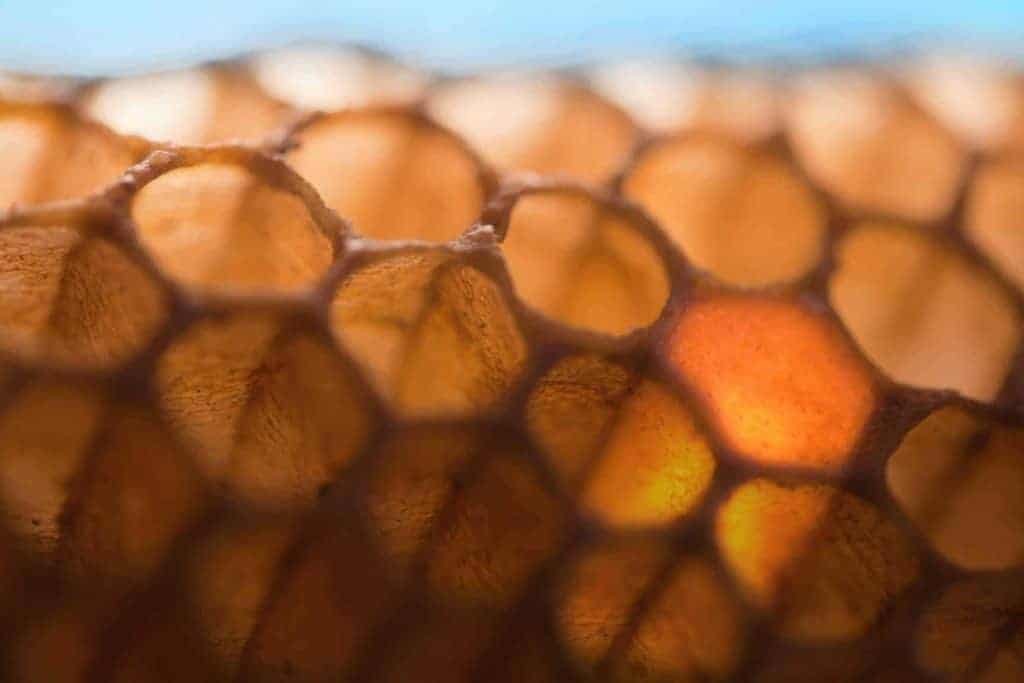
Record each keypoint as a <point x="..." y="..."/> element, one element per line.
<point x="113" y="36"/>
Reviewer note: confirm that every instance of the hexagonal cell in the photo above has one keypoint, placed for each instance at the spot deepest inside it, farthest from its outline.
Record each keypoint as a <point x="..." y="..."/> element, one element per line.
<point x="781" y="383"/>
<point x="960" y="477"/>
<point x="501" y="528"/>
<point x="272" y="410"/>
<point x="135" y="496"/>
<point x="230" y="574"/>
<point x="627" y="443"/>
<point x="826" y="561"/>
<point x="322" y="610"/>
<point x="583" y="262"/>
<point x="329" y="78"/>
<point x="51" y="153"/>
<point x="393" y="174"/>
<point x="70" y="295"/>
<point x="668" y="97"/>
<point x="42" y="457"/>
<point x="743" y="215"/>
<point x="872" y="148"/>
<point x="655" y="466"/>
<point x="572" y="406"/>
<point x="597" y="592"/>
<point x="216" y="224"/>
<point x="416" y="474"/>
<point x="964" y="632"/>
<point x="923" y="312"/>
<point x="742" y="104"/>
<point x="434" y="332"/>
<point x="692" y="629"/>
<point x="532" y="122"/>
<point x="980" y="99"/>
<point x="190" y="107"/>
<point x="662" y="96"/>
<point x="993" y="217"/>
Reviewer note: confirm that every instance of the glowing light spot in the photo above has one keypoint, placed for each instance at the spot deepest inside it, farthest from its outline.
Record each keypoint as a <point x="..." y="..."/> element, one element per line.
<point x="781" y="383"/>
<point x="656" y="466"/>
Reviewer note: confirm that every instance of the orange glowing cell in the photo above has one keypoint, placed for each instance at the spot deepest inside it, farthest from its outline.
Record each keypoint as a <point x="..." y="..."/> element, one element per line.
<point x="780" y="382"/>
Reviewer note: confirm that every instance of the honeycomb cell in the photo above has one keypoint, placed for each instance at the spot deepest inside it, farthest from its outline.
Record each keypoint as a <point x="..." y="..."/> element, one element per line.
<point x="742" y="215"/>
<point x="662" y="96"/>
<point x="571" y="408"/>
<point x="598" y="592"/>
<point x="69" y="295"/>
<point x="42" y="458"/>
<point x="329" y="78"/>
<point x="50" y="153"/>
<point x="668" y="97"/>
<point x="189" y="107"/>
<point x="537" y="123"/>
<point x="960" y="477"/>
<point x="502" y="528"/>
<point x="872" y="148"/>
<point x="322" y="611"/>
<point x="971" y="626"/>
<point x="993" y="216"/>
<point x="584" y="263"/>
<point x="924" y="313"/>
<point x="416" y="476"/>
<point x="780" y="383"/>
<point x="271" y="409"/>
<point x="229" y="577"/>
<point x="435" y="333"/>
<point x="744" y="105"/>
<point x="655" y="466"/>
<point x="692" y="629"/>
<point x="130" y="501"/>
<point x="978" y="99"/>
<point x="219" y="226"/>
<point x="393" y="174"/>
<point x="824" y="561"/>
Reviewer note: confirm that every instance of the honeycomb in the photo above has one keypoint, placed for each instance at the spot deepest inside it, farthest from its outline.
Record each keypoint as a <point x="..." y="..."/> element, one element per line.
<point x="318" y="367"/>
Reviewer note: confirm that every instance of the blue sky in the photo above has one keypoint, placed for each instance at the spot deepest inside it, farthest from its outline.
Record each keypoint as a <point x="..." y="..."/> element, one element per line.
<point x="118" y="35"/>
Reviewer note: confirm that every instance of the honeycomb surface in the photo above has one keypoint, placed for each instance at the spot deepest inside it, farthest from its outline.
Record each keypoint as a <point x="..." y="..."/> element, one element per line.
<point x="317" y="367"/>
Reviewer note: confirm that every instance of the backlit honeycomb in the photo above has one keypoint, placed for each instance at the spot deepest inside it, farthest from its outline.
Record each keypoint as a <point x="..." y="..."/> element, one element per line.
<point x="646" y="372"/>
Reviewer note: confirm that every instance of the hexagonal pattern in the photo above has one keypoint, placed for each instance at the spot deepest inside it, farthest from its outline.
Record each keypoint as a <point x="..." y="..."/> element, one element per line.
<point x="652" y="372"/>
